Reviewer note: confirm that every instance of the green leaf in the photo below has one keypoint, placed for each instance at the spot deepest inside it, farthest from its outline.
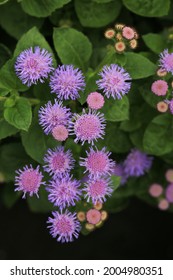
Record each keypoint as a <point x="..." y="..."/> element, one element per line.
<point x="20" y="115"/>
<point x="42" y="8"/>
<point x="92" y="14"/>
<point x="36" y="142"/>
<point x="134" y="121"/>
<point x="139" y="66"/>
<point x="91" y="85"/>
<point x="148" y="8"/>
<point x="72" y="46"/>
<point x="3" y="2"/>
<point x="114" y="204"/>
<point x="155" y="42"/>
<point x="12" y="157"/>
<point x="158" y="137"/>
<point x="116" y="180"/>
<point x="115" y="140"/>
<point x="6" y="129"/>
<point x="5" y="54"/>
<point x="116" y="110"/>
<point x="40" y="204"/>
<point x="18" y="22"/>
<point x="8" y="79"/>
<point x="9" y="196"/>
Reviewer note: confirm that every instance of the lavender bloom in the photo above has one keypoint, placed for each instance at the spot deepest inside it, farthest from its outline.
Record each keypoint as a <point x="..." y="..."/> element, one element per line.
<point x="58" y="162"/>
<point x="87" y="127"/>
<point x="166" y="61"/>
<point x="115" y="81"/>
<point x="97" y="190"/>
<point x="137" y="163"/>
<point x="52" y="115"/>
<point x="98" y="163"/>
<point x="66" y="82"/>
<point x="33" y="65"/>
<point x="64" y="225"/>
<point x="29" y="180"/>
<point x="169" y="193"/>
<point x="64" y="192"/>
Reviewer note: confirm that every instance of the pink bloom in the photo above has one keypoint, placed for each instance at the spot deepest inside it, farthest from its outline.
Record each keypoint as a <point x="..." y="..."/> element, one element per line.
<point x="97" y="190"/>
<point x="95" y="100"/>
<point x="60" y="132"/>
<point x="159" y="87"/>
<point x="155" y="190"/>
<point x="29" y="180"/>
<point x="93" y="216"/>
<point x="88" y="126"/>
<point x="128" y="33"/>
<point x="98" y="163"/>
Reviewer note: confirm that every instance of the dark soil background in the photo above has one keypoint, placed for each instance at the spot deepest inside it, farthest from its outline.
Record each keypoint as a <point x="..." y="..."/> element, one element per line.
<point x="138" y="232"/>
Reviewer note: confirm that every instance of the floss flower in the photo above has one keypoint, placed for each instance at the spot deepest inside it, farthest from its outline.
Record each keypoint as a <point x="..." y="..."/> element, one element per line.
<point x="64" y="192"/>
<point x="95" y="100"/>
<point x="166" y="61"/>
<point x="60" y="132"/>
<point x="97" y="190"/>
<point x="66" y="82"/>
<point x="29" y="180"/>
<point x="137" y="163"/>
<point x="58" y="162"/>
<point x="52" y="115"/>
<point x="33" y="65"/>
<point x="87" y="127"/>
<point x="159" y="87"/>
<point x="98" y="163"/>
<point x="64" y="226"/>
<point x="115" y="81"/>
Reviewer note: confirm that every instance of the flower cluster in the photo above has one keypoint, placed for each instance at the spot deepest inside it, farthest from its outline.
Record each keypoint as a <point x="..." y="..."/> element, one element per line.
<point x="164" y="196"/>
<point x="124" y="37"/>
<point x="163" y="86"/>
<point x="88" y="126"/>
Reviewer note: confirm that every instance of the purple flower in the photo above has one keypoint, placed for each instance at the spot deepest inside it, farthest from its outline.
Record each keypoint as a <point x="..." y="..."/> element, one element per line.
<point x="64" y="225"/>
<point x="33" y="65"/>
<point x="115" y="81"/>
<point x="87" y="127"/>
<point x="58" y="162"/>
<point x="97" y="190"/>
<point x="52" y="115"/>
<point x="137" y="163"/>
<point x="29" y="180"/>
<point x="166" y="61"/>
<point x="171" y="106"/>
<point x="64" y="192"/>
<point x="98" y="163"/>
<point x="66" y="82"/>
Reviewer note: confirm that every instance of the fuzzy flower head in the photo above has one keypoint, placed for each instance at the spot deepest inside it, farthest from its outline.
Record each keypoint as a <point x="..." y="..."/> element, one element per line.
<point x="60" y="132"/>
<point x="64" y="226"/>
<point x="64" y="192"/>
<point x="162" y="106"/>
<point x="166" y="61"/>
<point x="115" y="81"/>
<point x="52" y="115"/>
<point x="159" y="87"/>
<point x="128" y="33"/>
<point x="155" y="190"/>
<point x="87" y="127"/>
<point x="33" y="65"/>
<point x="97" y="190"/>
<point x="66" y="82"/>
<point x="95" y="100"/>
<point x="98" y="163"/>
<point x="58" y="162"/>
<point x="29" y="180"/>
<point x="137" y="163"/>
<point x="93" y="216"/>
